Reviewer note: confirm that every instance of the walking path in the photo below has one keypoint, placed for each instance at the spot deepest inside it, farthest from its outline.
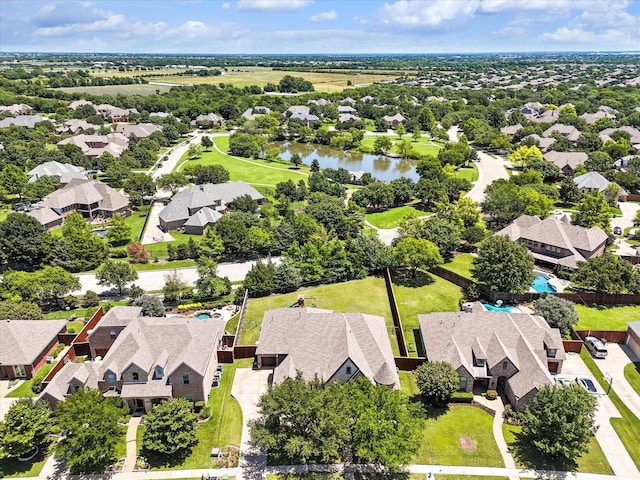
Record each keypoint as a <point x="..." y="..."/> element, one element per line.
<point x="132" y="450"/>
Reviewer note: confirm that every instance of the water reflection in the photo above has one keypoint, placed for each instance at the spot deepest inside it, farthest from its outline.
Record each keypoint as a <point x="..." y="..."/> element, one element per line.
<point x="382" y="168"/>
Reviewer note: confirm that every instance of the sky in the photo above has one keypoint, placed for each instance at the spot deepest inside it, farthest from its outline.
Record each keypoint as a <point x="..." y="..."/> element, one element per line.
<point x="319" y="26"/>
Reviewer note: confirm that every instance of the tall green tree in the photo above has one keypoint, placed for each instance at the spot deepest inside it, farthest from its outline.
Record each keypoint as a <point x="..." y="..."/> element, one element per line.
<point x="26" y="427"/>
<point x="437" y="381"/>
<point x="173" y="181"/>
<point x="170" y="427"/>
<point x="209" y="284"/>
<point x="151" y="306"/>
<point x="117" y="274"/>
<point x="593" y="211"/>
<point x="89" y="430"/>
<point x="23" y="240"/>
<point x="207" y="143"/>
<point x="560" y="421"/>
<point x="607" y="274"/>
<point x="138" y="186"/>
<point x="13" y="179"/>
<point x="417" y="253"/>
<point x="503" y="265"/>
<point x="558" y="313"/>
<point x="119" y="231"/>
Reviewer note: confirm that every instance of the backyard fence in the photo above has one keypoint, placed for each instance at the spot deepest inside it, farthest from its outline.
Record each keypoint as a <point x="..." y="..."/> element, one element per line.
<point x="395" y="314"/>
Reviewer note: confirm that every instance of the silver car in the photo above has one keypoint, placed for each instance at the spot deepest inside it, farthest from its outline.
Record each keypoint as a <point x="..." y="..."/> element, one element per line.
<point x="587" y="384"/>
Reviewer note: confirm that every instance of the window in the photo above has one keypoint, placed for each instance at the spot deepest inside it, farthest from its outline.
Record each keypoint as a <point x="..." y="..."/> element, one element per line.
<point x="189" y="398"/>
<point x="158" y="374"/>
<point x="135" y="376"/>
<point x="463" y="384"/>
<point x="112" y="333"/>
<point x="348" y="370"/>
<point x="111" y="378"/>
<point x="185" y="379"/>
<point x="504" y="365"/>
<point x="19" y="371"/>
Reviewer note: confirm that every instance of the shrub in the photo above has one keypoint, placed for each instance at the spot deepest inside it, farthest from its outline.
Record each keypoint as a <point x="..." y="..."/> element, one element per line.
<point x="462" y="397"/>
<point x="437" y="381"/>
<point x="58" y="349"/>
<point x="205" y="412"/>
<point x="70" y="302"/>
<point x="90" y="299"/>
<point x="117" y="254"/>
<point x="137" y="253"/>
<point x="189" y="306"/>
<point x="491" y="395"/>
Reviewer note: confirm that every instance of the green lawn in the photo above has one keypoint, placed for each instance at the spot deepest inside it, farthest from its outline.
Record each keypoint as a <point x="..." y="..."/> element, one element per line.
<point x="632" y="374"/>
<point x="469" y="173"/>
<point x="12" y="468"/>
<point x="606" y="318"/>
<point x="468" y="477"/>
<point x="460" y="264"/>
<point x="224" y="428"/>
<point x="627" y="427"/>
<point x="422" y="146"/>
<point x="24" y="390"/>
<point x="592" y="462"/>
<point x="250" y="171"/>
<point x="459" y="436"/>
<point x="136" y="221"/>
<point x="363" y="296"/>
<point x="408" y="383"/>
<point x="432" y="294"/>
<point x="392" y="217"/>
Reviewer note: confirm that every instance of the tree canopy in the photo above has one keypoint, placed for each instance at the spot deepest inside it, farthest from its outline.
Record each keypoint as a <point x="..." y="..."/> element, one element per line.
<point x="607" y="274"/>
<point x="170" y="427"/>
<point x="25" y="428"/>
<point x="437" y="381"/>
<point x="503" y="265"/>
<point x="558" y="313"/>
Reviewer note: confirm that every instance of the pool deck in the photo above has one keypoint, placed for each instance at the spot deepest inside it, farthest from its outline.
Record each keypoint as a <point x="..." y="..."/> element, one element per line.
<point x="558" y="283"/>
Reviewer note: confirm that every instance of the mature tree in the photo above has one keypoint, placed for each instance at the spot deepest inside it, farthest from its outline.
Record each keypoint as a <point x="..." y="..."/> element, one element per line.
<point x="170" y="427"/>
<point x="13" y="179"/>
<point x="78" y="249"/>
<point x="23" y="239"/>
<point x="569" y="191"/>
<point x="315" y="165"/>
<point x="400" y="130"/>
<point x="599" y="162"/>
<point x="593" y="211"/>
<point x="246" y="145"/>
<point x="437" y="381"/>
<point x="444" y="232"/>
<point x="244" y="203"/>
<point x="260" y="280"/>
<point x="296" y="159"/>
<point x="202" y="174"/>
<point x="119" y="231"/>
<point x="117" y="274"/>
<point x="10" y="310"/>
<point x="174" y="286"/>
<point x="372" y="253"/>
<point x="25" y="428"/>
<point x="151" y="306"/>
<point x="382" y="144"/>
<point x="503" y="265"/>
<point x="137" y="252"/>
<point x="89" y="430"/>
<point x="357" y="422"/>
<point x="505" y="201"/>
<point x="417" y="253"/>
<point x="560" y="421"/>
<point x="210" y="245"/>
<point x="90" y="299"/>
<point x="557" y="312"/>
<point x="39" y="189"/>
<point x="287" y="277"/>
<point x="173" y="181"/>
<point x="54" y="283"/>
<point x="209" y="284"/>
<point x="138" y="186"/>
<point x="523" y="155"/>
<point x="607" y="274"/>
<point x="117" y="171"/>
<point x="194" y="152"/>
<point x="207" y="143"/>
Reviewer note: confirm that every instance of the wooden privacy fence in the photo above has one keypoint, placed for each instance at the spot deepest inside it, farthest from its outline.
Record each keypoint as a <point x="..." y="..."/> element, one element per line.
<point x="395" y="314"/>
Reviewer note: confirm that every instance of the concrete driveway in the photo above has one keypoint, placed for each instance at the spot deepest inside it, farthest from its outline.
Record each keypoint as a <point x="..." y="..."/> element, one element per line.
<point x="618" y="357"/>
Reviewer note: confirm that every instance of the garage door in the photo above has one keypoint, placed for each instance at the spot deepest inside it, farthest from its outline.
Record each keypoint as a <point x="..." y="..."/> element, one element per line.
<point x="635" y="348"/>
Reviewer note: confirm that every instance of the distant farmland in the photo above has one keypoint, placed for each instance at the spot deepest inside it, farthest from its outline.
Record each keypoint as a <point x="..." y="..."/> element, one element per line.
<point x="134" y="89"/>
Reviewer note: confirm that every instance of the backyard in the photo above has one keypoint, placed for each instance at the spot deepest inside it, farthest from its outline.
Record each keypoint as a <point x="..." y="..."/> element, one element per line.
<point x="460" y="264"/>
<point x="606" y="318"/>
<point x="392" y="217"/>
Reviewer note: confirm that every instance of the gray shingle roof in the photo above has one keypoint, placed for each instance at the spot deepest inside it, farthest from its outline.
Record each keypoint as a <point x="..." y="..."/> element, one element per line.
<point x="563" y="159"/>
<point x="203" y="217"/>
<point x="22" y="341"/>
<point x="63" y="171"/>
<point x="591" y="181"/>
<point x="119" y="316"/>
<point x="86" y="192"/>
<point x="318" y="342"/>
<point x="28" y="121"/>
<point x="450" y="337"/>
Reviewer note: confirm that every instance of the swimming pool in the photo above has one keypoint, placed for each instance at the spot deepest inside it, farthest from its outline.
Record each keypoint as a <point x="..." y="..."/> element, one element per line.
<point x="541" y="283"/>
<point x="493" y="308"/>
<point x="203" y="316"/>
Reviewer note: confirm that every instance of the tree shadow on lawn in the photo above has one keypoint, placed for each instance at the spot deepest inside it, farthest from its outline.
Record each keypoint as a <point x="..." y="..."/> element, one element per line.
<point x="526" y="454"/>
<point x="163" y="460"/>
<point x="407" y="279"/>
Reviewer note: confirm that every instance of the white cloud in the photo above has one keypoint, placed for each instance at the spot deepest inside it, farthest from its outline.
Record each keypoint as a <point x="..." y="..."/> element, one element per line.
<point x="417" y="13"/>
<point x="273" y="5"/>
<point x="225" y="6"/>
<point x="325" y="16"/>
<point x="497" y="6"/>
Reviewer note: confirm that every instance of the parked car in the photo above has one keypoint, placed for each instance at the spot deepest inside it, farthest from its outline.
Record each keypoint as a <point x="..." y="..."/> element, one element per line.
<point x="562" y="381"/>
<point x="596" y="347"/>
<point x="587" y="384"/>
<point x="21" y="207"/>
<point x="617" y="230"/>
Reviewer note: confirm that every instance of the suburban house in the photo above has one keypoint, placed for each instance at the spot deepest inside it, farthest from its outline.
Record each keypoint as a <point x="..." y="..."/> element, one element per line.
<point x="64" y="172"/>
<point x="511" y="130"/>
<point x="200" y="206"/>
<point x="140" y="130"/>
<point x="208" y="121"/>
<point x="16" y="109"/>
<point x="26" y="344"/>
<point x="79" y="103"/>
<point x="567" y="162"/>
<point x="332" y="346"/>
<point x="91" y="198"/>
<point x="303" y="113"/>
<point x="513" y="353"/>
<point x="321" y="102"/>
<point x="569" y="132"/>
<point x="633" y="337"/>
<point x="104" y="334"/>
<point x="347" y="117"/>
<point x="394" y="120"/>
<point x="347" y="109"/>
<point x="555" y="242"/>
<point x="253" y="113"/>
<point x="114" y="114"/>
<point x="602" y="112"/>
<point x="75" y="126"/>
<point x="26" y="121"/>
<point x="93" y="146"/>
<point x="634" y="133"/>
<point x="543" y="143"/>
<point x="150" y="360"/>
<point x="595" y="182"/>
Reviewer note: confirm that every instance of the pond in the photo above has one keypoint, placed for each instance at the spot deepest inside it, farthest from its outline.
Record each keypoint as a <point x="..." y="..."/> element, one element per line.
<point x="381" y="167"/>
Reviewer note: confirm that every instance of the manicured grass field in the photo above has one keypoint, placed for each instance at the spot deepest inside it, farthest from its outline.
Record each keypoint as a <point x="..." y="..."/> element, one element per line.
<point x="408" y="383"/>
<point x="460" y="264"/>
<point x="362" y="296"/>
<point x="12" y="468"/>
<point x="136" y="221"/>
<point x="431" y="294"/>
<point x="133" y="89"/>
<point x="469" y="173"/>
<point x="459" y="436"/>
<point x="224" y="428"/>
<point x="592" y="462"/>
<point x="260" y="172"/>
<point x="606" y="318"/>
<point x="627" y="427"/>
<point x="393" y="217"/>
<point x="423" y="146"/>
<point x="632" y="374"/>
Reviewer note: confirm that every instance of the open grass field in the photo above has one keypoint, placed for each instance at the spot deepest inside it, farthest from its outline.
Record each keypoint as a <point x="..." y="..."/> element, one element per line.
<point x="632" y="374"/>
<point x="460" y="264"/>
<point x="133" y="89"/>
<point x="423" y="145"/>
<point x="224" y="428"/>
<point x="627" y="427"/>
<point x="392" y="217"/>
<point x="592" y="462"/>
<point x="255" y="172"/>
<point x="606" y="318"/>
<point x="362" y="296"/>
<point x="430" y="294"/>
<point x="458" y="436"/>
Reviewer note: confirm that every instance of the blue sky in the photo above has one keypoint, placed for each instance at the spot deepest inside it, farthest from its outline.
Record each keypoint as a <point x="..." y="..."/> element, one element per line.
<point x="319" y="26"/>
